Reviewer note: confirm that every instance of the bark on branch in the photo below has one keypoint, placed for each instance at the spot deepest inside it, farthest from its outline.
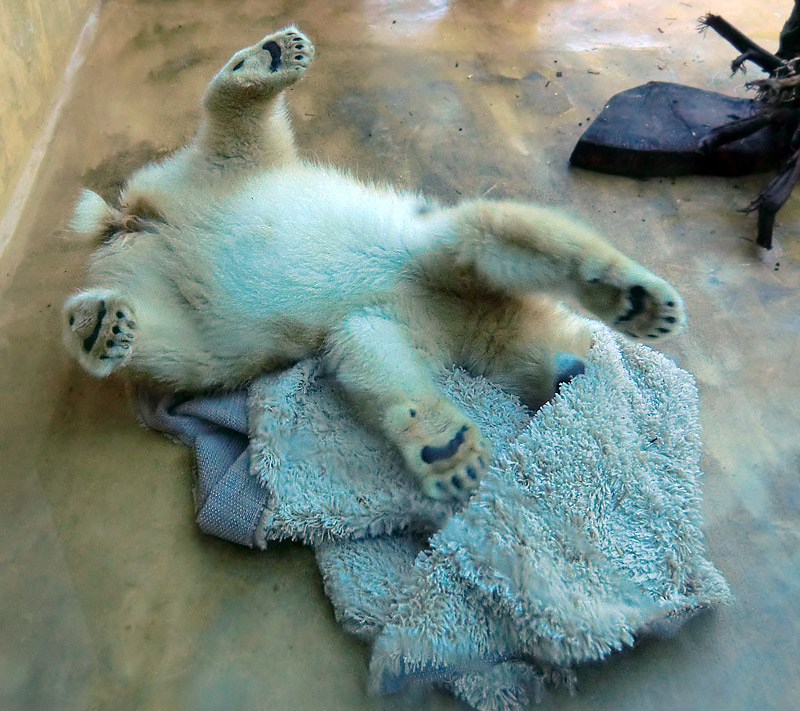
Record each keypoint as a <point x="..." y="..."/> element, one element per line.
<point x="749" y="50"/>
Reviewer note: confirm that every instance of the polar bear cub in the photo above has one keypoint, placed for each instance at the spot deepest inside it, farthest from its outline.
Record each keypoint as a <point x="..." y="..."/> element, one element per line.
<point x="233" y="257"/>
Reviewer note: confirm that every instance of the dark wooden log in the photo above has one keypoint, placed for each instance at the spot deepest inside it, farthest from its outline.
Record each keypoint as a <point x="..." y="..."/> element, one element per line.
<point x="658" y="129"/>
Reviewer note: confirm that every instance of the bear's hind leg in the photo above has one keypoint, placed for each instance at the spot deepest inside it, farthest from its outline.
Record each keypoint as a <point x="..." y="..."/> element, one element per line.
<point x="517" y="248"/>
<point x="390" y="382"/>
<point x="245" y="120"/>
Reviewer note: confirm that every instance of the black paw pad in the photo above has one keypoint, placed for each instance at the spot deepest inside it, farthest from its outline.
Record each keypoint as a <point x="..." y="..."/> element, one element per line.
<point x="637" y="296"/>
<point x="89" y="342"/>
<point x="275" y="52"/>
<point x="436" y="454"/>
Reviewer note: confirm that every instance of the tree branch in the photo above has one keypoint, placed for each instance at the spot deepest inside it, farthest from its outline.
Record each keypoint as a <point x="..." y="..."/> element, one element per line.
<point x="789" y="46"/>
<point x="741" y="128"/>
<point x="773" y="197"/>
<point x="749" y="49"/>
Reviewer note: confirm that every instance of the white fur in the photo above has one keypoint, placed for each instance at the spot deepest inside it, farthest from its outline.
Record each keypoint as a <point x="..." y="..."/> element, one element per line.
<point x="233" y="257"/>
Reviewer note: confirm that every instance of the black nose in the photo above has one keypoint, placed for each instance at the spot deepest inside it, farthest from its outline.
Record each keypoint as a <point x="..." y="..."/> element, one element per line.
<point x="568" y="366"/>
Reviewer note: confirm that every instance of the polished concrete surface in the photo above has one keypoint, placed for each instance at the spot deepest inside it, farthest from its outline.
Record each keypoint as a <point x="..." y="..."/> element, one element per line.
<point x="111" y="599"/>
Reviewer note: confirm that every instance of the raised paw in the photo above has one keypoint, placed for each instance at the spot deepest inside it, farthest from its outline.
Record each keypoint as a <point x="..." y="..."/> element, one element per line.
<point x="651" y="312"/>
<point x="445" y="451"/>
<point x="99" y="329"/>
<point x="272" y="64"/>
<point x="635" y="301"/>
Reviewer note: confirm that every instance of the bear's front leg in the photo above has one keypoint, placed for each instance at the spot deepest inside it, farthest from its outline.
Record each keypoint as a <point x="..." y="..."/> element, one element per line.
<point x="390" y="382"/>
<point x="262" y="70"/>
<point x="244" y="120"/>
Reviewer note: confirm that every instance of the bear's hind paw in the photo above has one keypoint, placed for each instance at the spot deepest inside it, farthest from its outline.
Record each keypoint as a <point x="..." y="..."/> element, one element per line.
<point x="448" y="458"/>
<point x="635" y="301"/>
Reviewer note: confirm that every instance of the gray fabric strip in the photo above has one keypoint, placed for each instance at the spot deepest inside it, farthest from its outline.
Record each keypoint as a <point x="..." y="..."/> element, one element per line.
<point x="229" y="502"/>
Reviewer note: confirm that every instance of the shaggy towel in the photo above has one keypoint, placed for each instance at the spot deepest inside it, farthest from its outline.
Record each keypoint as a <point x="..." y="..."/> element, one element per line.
<point x="585" y="535"/>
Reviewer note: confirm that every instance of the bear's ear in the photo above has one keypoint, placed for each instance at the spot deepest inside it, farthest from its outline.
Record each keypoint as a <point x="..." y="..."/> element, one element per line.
<point x="92" y="215"/>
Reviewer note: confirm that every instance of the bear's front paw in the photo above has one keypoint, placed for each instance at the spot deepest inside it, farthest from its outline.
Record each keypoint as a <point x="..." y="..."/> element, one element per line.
<point x="275" y="62"/>
<point x="99" y="329"/>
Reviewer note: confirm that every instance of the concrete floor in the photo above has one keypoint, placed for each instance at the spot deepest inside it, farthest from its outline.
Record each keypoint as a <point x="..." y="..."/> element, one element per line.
<point x="111" y="599"/>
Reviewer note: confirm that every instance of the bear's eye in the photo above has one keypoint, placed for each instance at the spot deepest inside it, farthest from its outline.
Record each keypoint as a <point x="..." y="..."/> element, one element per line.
<point x="238" y="66"/>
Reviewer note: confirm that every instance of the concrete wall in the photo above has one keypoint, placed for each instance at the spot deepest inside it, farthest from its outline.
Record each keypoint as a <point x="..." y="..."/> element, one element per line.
<point x="36" y="40"/>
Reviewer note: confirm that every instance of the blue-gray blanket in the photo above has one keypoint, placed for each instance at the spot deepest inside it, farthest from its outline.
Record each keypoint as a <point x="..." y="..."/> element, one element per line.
<point x="585" y="535"/>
